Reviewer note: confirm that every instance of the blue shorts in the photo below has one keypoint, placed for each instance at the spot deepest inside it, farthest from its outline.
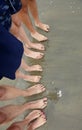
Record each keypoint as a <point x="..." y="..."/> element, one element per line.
<point x="14" y="6"/>
<point x="11" y="51"/>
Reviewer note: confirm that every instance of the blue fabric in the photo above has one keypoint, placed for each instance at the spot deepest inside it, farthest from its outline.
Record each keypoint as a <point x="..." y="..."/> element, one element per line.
<point x="8" y="7"/>
<point x="5" y="16"/>
<point x="14" y="6"/>
<point x="11" y="51"/>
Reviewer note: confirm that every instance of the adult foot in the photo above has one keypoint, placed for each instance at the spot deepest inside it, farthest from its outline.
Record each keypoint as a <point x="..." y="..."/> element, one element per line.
<point x="38" y="104"/>
<point x="27" y="77"/>
<point x="10" y="112"/>
<point x="33" y="115"/>
<point x="30" y="68"/>
<point x="32" y="54"/>
<point x="21" y="124"/>
<point x="32" y="78"/>
<point x="37" y="46"/>
<point x="42" y="26"/>
<point x="36" y="89"/>
<point x="37" y="123"/>
<point x="33" y="68"/>
<point x="39" y="36"/>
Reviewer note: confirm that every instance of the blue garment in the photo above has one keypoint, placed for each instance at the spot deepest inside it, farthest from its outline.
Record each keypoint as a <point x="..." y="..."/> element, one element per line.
<point x="5" y="16"/>
<point x="14" y="6"/>
<point x="8" y="7"/>
<point x="11" y="51"/>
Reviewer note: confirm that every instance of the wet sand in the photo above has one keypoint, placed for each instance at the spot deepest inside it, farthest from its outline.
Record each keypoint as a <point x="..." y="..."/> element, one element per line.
<point x="62" y="65"/>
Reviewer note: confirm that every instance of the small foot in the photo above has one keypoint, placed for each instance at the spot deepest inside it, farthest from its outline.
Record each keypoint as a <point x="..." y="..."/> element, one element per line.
<point x="42" y="26"/>
<point x="39" y="36"/>
<point x="32" y="78"/>
<point x="34" y="68"/>
<point x="32" y="54"/>
<point x="37" y="46"/>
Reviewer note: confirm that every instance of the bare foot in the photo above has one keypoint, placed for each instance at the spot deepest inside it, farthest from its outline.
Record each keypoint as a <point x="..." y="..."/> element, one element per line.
<point x="32" y="54"/>
<point x="39" y="36"/>
<point x="38" y="104"/>
<point x="30" y="68"/>
<point x="37" y="123"/>
<point x="9" y="92"/>
<point x="36" y="89"/>
<point x="42" y="26"/>
<point x="27" y="77"/>
<point x="21" y="124"/>
<point x="32" y="78"/>
<point x="34" y="68"/>
<point x="37" y="46"/>
<point x="10" y="112"/>
<point x="33" y="115"/>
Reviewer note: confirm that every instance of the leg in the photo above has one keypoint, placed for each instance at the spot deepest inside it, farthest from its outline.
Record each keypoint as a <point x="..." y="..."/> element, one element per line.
<point x="9" y="92"/>
<point x="9" y="112"/>
<point x="33" y="8"/>
<point x="18" y="30"/>
<point x="24" y="16"/>
<point x="19" y="33"/>
<point x="2" y="91"/>
<point x="21" y="124"/>
<point x="27" y="42"/>
<point x="3" y="117"/>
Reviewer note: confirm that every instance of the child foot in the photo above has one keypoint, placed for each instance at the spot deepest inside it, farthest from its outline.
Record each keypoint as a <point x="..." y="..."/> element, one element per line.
<point x="37" y="46"/>
<point x="39" y="36"/>
<point x="30" y="68"/>
<point x="29" y="78"/>
<point x="32" y="78"/>
<point x="42" y="26"/>
<point x="32" y="54"/>
<point x="34" y="68"/>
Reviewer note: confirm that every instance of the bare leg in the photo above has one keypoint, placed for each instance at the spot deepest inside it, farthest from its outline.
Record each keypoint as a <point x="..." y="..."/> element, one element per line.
<point x="29" y="78"/>
<point x="30" y="68"/>
<point x="9" y="112"/>
<point x="33" y="8"/>
<point x="37" y="123"/>
<point x="19" y="34"/>
<point x="27" y="42"/>
<point x="34" y="115"/>
<point x="24" y="16"/>
<point x="18" y="30"/>
<point x="9" y="92"/>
